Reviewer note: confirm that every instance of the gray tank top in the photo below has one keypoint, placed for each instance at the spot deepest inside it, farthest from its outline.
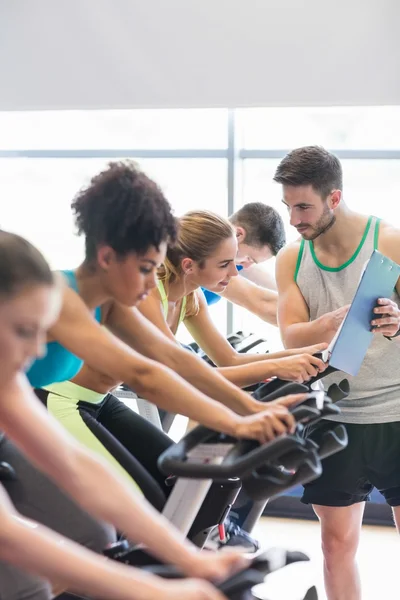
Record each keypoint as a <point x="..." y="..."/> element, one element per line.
<point x="375" y="391"/>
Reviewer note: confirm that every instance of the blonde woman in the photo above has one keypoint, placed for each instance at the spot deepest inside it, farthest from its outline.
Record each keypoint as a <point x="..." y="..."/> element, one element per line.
<point x="204" y="256"/>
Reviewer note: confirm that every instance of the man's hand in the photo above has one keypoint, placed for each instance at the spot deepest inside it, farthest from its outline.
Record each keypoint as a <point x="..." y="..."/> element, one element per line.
<point x="388" y="323"/>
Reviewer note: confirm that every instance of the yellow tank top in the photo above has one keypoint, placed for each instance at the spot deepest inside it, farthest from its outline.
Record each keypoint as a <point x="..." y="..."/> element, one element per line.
<point x="164" y="300"/>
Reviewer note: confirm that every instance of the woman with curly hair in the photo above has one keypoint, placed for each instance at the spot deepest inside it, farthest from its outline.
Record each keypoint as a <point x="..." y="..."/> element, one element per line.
<point x="127" y="224"/>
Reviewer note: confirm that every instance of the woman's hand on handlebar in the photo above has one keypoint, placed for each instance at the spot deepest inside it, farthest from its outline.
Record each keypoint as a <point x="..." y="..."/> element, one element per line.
<point x="213" y="566"/>
<point x="271" y="422"/>
<point x="190" y="589"/>
<point x="299" y="368"/>
<point x="314" y="349"/>
<point x="216" y="566"/>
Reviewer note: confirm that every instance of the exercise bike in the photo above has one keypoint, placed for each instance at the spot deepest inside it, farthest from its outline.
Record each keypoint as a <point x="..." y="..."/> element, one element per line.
<point x="239" y="586"/>
<point x="214" y="507"/>
<point x="265" y="471"/>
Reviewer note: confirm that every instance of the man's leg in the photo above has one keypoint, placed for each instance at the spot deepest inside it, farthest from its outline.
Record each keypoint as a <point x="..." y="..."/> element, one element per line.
<point x="340" y="534"/>
<point x="384" y="460"/>
<point x="338" y="497"/>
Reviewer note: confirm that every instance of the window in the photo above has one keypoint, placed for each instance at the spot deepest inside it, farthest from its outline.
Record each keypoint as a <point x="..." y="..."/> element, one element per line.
<point x="114" y="129"/>
<point x="351" y="128"/>
<point x="190" y="183"/>
<point x="35" y="196"/>
<point x="370" y="186"/>
<point x="373" y="187"/>
<point x="46" y="157"/>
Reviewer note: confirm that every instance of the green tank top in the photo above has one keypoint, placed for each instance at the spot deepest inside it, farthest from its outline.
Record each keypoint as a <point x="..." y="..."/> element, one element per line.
<point x="164" y="300"/>
<point x="375" y="391"/>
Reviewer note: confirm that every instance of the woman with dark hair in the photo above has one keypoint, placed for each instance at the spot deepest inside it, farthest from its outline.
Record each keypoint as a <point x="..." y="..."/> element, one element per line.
<point x="29" y="304"/>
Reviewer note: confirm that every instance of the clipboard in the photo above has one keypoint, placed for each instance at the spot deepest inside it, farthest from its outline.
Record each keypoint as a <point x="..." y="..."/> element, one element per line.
<point x="348" y="348"/>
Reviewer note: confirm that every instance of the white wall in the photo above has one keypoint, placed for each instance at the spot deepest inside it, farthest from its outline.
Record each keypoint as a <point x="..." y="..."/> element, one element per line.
<point x="145" y="53"/>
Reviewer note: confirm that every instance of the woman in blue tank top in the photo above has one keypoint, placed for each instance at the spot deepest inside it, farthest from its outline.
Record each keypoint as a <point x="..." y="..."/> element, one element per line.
<point x="127" y="223"/>
<point x="29" y="304"/>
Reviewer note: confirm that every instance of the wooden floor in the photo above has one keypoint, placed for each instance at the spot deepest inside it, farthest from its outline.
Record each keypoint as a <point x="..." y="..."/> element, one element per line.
<point x="378" y="558"/>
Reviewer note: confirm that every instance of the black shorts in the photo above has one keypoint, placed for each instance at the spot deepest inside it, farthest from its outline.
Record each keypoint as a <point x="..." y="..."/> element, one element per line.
<point x="371" y="459"/>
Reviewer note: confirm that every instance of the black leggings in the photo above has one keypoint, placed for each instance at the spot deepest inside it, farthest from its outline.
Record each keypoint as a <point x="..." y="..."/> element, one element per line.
<point x="132" y="441"/>
<point x="126" y="439"/>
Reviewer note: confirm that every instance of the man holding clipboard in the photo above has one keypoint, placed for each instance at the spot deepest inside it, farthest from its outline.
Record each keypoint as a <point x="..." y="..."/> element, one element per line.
<point x="317" y="278"/>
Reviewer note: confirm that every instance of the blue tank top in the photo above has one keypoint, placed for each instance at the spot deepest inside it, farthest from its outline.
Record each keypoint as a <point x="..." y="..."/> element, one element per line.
<point x="212" y="297"/>
<point x="58" y="364"/>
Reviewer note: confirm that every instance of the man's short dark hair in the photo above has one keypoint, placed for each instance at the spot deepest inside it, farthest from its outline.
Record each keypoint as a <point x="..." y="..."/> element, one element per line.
<point x="311" y="165"/>
<point x="125" y="209"/>
<point x="263" y="226"/>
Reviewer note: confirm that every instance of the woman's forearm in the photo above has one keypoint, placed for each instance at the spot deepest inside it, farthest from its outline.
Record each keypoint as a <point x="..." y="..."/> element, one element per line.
<point x="75" y="568"/>
<point x="212" y="383"/>
<point x="128" y="512"/>
<point x="248" y="359"/>
<point x="88" y="478"/>
<point x="161" y="386"/>
<point x="247" y="374"/>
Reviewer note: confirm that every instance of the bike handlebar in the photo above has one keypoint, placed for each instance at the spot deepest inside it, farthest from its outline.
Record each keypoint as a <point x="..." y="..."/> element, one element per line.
<point x="246" y="456"/>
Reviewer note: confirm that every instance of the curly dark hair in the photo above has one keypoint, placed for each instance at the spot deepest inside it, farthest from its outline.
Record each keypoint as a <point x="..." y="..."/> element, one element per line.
<point x="125" y="209"/>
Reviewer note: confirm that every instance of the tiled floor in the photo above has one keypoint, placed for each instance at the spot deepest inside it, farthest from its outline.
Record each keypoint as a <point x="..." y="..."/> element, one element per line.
<point x="378" y="557"/>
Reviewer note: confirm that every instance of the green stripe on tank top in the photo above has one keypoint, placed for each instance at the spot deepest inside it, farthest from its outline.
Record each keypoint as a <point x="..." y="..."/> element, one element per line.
<point x="299" y="257"/>
<point x="376" y="234"/>
<point x="351" y="259"/>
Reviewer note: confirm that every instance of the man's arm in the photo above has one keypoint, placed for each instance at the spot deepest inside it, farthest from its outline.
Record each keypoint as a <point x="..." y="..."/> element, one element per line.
<point x="389" y="322"/>
<point x="258" y="300"/>
<point x="293" y="315"/>
<point x="259" y="275"/>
